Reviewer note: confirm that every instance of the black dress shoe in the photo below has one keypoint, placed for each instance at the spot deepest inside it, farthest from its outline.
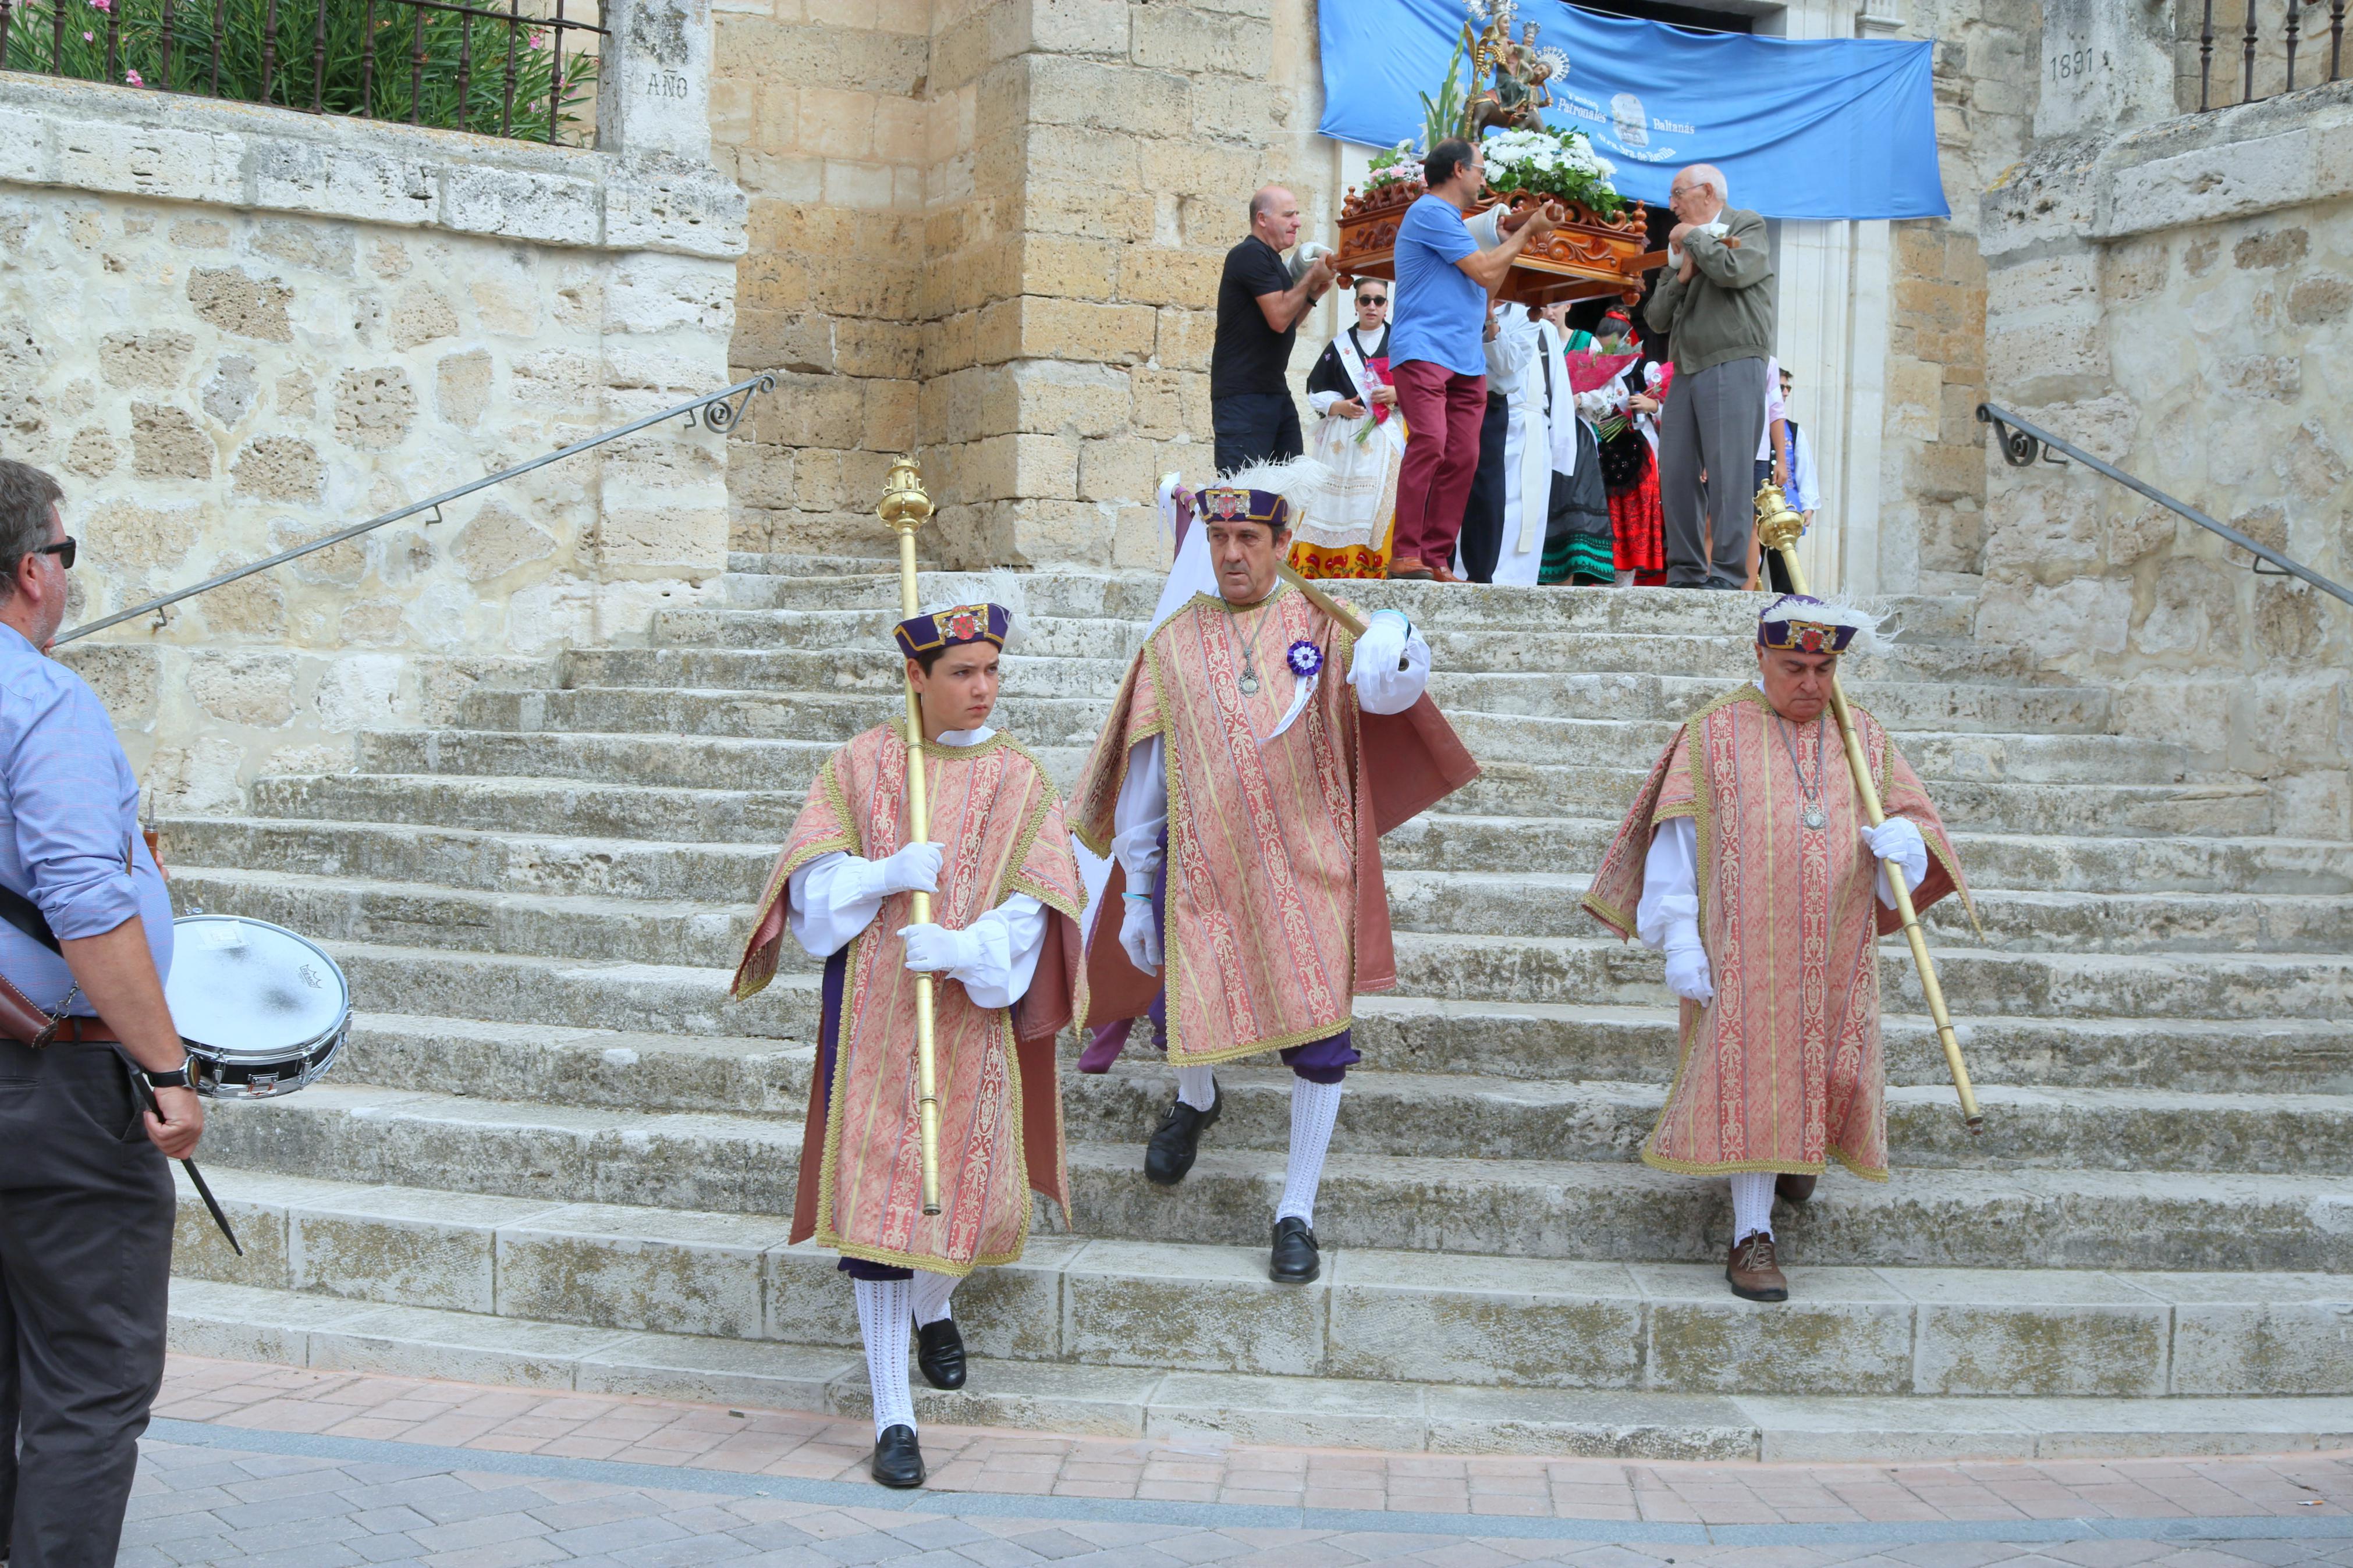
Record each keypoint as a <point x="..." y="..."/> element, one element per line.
<point x="939" y="1350"/>
<point x="897" y="1461"/>
<point x="1177" y="1139"/>
<point x="1296" y="1260"/>
<point x="1794" y="1187"/>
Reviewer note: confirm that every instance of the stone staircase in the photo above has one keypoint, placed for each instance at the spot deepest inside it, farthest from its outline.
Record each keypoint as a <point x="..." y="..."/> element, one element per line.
<point x="554" y="1155"/>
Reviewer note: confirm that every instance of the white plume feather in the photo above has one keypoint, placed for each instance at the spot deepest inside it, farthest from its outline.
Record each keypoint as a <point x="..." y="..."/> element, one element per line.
<point x="1838" y="610"/>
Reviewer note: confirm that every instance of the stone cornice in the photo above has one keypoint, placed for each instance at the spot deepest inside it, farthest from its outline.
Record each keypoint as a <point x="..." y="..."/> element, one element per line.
<point x="125" y="142"/>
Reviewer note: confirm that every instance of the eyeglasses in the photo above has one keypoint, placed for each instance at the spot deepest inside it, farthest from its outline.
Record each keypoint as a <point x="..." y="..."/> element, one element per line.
<point x="1363" y="300"/>
<point x="63" y="550"/>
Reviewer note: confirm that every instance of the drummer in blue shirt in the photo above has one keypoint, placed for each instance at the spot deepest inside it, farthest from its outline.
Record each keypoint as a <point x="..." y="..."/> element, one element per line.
<point x="86" y="1200"/>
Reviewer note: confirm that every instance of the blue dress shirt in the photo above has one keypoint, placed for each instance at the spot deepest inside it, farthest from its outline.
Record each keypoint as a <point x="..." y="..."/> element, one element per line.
<point x="70" y="837"/>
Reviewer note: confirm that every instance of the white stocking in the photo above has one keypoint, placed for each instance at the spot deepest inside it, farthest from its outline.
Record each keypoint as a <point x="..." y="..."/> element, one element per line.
<point x="882" y="1318"/>
<point x="930" y="1296"/>
<point x="1315" y="1107"/>
<point x="1752" y="1204"/>
<point x="1196" y="1087"/>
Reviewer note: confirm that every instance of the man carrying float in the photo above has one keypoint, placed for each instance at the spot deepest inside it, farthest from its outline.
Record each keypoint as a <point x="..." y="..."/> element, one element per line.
<point x="1263" y="741"/>
<point x="1750" y="860"/>
<point x="1003" y="947"/>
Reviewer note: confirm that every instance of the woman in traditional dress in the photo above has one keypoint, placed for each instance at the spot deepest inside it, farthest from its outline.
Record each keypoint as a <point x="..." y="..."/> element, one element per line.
<point x="1003" y="947"/>
<point x="1342" y="523"/>
<point x="1628" y="426"/>
<point x="1577" y="549"/>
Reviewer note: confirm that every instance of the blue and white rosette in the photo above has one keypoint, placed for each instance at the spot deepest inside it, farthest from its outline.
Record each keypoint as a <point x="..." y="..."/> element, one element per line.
<point x="1306" y="662"/>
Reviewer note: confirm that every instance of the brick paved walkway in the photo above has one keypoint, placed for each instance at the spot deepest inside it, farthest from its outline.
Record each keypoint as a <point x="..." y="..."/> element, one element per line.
<point x="251" y="1464"/>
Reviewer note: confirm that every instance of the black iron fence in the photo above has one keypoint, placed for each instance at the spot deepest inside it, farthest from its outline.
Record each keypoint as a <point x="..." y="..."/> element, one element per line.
<point x="499" y="67"/>
<point x="2300" y="27"/>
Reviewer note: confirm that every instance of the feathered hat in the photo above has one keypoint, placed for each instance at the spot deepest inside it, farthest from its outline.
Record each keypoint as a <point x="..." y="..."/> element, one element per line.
<point x="1268" y="492"/>
<point x="1798" y="623"/>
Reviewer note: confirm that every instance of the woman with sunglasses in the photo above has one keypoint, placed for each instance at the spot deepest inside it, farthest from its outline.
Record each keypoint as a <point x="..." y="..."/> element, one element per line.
<point x="1343" y="524"/>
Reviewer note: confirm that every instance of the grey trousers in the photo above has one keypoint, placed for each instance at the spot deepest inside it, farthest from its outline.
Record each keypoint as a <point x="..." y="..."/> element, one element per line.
<point x="86" y="1212"/>
<point x="1712" y="421"/>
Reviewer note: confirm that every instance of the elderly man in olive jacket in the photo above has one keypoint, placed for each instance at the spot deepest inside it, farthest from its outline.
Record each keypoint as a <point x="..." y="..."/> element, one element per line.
<point x="1717" y="305"/>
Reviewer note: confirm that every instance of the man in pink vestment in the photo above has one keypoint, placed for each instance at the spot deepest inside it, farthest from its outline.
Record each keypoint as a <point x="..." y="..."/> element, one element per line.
<point x="1747" y="860"/>
<point x="1253" y="757"/>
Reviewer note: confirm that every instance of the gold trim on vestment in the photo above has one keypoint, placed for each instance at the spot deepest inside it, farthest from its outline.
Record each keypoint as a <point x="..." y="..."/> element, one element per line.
<point x="1170" y="948"/>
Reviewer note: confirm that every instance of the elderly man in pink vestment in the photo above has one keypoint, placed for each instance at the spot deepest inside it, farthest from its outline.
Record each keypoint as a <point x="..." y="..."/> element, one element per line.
<point x="1748" y="861"/>
<point x="1255" y="755"/>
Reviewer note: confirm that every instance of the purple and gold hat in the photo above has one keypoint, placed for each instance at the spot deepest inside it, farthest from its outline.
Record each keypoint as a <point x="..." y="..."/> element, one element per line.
<point x="1797" y="623"/>
<point x="938" y="629"/>
<point x="1239" y="503"/>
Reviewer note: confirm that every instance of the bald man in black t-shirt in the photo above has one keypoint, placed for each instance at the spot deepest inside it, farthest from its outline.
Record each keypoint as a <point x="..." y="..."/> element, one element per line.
<point x="1259" y="311"/>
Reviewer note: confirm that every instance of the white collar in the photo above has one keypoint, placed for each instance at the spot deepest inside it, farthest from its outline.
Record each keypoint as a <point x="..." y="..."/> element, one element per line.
<point x="964" y="737"/>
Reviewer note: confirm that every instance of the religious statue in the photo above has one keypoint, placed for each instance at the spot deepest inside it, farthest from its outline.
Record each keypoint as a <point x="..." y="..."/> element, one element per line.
<point x="1518" y="99"/>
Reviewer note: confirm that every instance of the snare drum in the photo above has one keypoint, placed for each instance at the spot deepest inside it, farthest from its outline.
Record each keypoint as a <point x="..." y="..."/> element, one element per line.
<point x="261" y="1010"/>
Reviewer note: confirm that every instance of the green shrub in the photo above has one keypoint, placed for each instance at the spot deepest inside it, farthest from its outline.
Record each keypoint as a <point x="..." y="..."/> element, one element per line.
<point x="389" y="32"/>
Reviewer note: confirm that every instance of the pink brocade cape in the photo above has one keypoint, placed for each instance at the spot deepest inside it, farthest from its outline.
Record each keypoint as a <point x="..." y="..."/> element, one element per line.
<point x="1000" y="1100"/>
<point x="1277" y="912"/>
<point x="1783" y="1070"/>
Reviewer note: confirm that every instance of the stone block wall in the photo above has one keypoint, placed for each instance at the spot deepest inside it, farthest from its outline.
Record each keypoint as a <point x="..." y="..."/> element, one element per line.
<point x="994" y="238"/>
<point x="2175" y="301"/>
<point x="229" y="331"/>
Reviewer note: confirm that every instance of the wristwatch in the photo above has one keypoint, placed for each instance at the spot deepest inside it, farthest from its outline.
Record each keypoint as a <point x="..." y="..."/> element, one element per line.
<point x="176" y="1078"/>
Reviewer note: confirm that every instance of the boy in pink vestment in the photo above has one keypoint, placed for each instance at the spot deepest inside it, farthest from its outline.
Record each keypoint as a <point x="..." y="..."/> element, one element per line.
<point x="1748" y="861"/>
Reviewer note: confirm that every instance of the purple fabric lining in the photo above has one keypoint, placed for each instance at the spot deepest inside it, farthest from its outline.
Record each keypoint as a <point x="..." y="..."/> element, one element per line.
<point x="1326" y="1061"/>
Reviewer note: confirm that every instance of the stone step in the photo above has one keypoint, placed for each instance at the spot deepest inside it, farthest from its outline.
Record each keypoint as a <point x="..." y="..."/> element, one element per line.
<point x="1606" y="1210"/>
<point x="1939" y="705"/>
<point x="1530" y="611"/>
<point x="1058" y="723"/>
<point x="326" y="1332"/>
<point x="708" y="930"/>
<point x="752" y="567"/>
<point x="1506" y="788"/>
<point x="1499" y="1045"/>
<point x="1723" y="656"/>
<point x="1447" y="965"/>
<point x="1503" y="1039"/>
<point x="491" y="833"/>
<point x="1392" y="1107"/>
<point x="1397" y="1318"/>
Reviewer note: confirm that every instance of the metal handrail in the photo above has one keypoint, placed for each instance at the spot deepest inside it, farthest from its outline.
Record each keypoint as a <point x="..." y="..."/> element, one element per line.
<point x="2020" y="445"/>
<point x="719" y="414"/>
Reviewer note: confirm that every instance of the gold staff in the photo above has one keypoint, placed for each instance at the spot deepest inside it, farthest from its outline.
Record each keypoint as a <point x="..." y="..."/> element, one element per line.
<point x="1777" y="528"/>
<point x="905" y="508"/>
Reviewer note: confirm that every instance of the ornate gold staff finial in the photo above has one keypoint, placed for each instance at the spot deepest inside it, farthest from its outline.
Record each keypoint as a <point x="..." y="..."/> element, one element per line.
<point x="906" y="508"/>
<point x="904" y="505"/>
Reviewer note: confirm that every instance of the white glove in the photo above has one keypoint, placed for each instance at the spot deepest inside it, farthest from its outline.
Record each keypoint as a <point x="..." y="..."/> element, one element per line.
<point x="1139" y="935"/>
<point x="1899" y="840"/>
<point x="1687" y="975"/>
<point x="1382" y="648"/>
<point x="933" y="949"/>
<point x="914" y="870"/>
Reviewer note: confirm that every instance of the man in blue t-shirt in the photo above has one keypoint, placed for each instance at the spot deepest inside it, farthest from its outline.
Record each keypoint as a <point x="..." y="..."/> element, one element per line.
<point x="1437" y="351"/>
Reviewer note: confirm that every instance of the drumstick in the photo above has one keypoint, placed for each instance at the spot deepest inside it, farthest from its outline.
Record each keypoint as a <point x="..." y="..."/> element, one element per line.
<point x="147" y="1101"/>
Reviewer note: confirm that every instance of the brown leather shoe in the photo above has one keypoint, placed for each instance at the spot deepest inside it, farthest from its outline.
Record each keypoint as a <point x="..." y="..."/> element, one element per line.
<point x="1755" y="1273"/>
<point x="1440" y="575"/>
<point x="1406" y="569"/>
<point x="1794" y="1187"/>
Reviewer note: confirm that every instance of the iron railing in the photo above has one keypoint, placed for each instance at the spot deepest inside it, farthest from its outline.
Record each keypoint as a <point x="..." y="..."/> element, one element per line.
<point x="719" y="411"/>
<point x="497" y="68"/>
<point x="2251" y="36"/>
<point x="2023" y="442"/>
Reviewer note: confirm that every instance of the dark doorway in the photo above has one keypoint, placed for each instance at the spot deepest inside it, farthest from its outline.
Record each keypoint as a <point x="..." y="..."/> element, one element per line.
<point x="1692" y="16"/>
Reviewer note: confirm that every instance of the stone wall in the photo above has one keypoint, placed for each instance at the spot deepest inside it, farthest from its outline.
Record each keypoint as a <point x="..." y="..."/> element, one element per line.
<point x="2175" y="300"/>
<point x="229" y="330"/>
<point x="1018" y="207"/>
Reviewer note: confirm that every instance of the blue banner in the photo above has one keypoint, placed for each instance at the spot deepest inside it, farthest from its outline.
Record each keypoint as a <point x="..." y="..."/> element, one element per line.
<point x="1802" y="129"/>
